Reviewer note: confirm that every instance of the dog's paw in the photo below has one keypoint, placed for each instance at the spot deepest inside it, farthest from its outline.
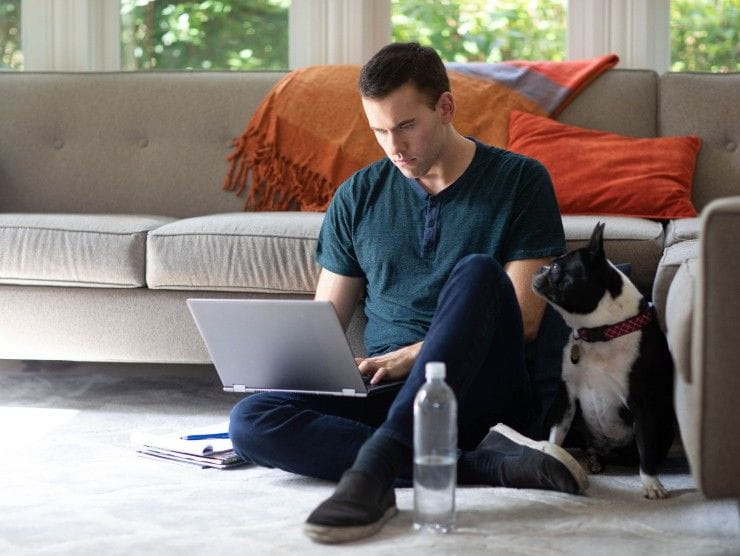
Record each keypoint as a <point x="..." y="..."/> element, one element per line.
<point x="654" y="492"/>
<point x="593" y="462"/>
<point x="652" y="487"/>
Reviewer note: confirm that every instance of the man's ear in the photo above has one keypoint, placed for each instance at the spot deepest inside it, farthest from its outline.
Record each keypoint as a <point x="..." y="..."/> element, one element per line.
<point x="446" y="106"/>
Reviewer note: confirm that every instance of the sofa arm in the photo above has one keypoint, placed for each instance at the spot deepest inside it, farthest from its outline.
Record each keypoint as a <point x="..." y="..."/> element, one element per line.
<point x="674" y="256"/>
<point x="679" y="309"/>
<point x="716" y="345"/>
<point x="707" y="396"/>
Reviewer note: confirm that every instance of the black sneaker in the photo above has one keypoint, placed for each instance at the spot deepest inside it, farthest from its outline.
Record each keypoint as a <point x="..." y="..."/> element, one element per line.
<point x="534" y="464"/>
<point x="357" y="509"/>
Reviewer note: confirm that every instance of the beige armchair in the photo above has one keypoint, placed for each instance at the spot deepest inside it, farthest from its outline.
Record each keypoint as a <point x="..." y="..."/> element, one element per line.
<point x="703" y="324"/>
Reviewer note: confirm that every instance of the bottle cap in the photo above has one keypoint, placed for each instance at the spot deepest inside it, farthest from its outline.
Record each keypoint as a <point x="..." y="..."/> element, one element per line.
<point x="435" y="369"/>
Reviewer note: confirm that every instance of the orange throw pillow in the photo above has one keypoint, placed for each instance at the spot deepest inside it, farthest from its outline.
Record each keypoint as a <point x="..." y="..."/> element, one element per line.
<point x="595" y="172"/>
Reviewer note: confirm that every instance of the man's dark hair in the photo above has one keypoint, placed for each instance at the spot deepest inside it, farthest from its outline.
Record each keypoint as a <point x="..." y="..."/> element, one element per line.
<point x="396" y="64"/>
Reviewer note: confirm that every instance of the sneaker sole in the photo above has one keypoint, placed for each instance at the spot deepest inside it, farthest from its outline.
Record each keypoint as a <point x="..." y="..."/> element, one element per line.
<point x="550" y="449"/>
<point x="329" y="534"/>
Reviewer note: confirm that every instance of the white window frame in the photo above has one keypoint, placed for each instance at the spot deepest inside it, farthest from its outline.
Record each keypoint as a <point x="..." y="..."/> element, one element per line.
<point x="83" y="35"/>
<point x="638" y="31"/>
<point x="337" y="31"/>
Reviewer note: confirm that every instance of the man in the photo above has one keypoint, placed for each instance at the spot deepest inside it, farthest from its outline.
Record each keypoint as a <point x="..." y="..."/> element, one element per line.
<point x="443" y="238"/>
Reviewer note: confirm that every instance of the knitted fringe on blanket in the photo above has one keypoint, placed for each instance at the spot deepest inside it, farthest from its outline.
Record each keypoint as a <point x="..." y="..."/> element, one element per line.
<point x="283" y="184"/>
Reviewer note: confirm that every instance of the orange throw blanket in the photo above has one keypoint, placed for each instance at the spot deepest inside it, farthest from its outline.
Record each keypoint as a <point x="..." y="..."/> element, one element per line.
<point x="310" y="132"/>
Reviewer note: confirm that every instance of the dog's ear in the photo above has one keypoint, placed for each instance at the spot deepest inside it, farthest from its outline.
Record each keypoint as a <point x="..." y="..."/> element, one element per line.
<point x="596" y="245"/>
<point x="613" y="282"/>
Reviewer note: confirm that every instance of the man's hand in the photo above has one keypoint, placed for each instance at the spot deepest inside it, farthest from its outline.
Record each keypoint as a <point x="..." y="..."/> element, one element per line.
<point x="392" y="365"/>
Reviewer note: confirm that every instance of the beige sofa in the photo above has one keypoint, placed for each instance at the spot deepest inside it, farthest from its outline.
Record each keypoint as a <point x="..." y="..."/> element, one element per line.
<point x="113" y="215"/>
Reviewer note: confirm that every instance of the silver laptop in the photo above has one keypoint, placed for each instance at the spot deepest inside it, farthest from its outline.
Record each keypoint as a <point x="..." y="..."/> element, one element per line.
<point x="280" y="345"/>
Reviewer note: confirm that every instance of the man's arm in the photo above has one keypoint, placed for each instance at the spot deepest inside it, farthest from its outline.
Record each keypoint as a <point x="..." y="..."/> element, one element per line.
<point x="343" y="292"/>
<point x="531" y="304"/>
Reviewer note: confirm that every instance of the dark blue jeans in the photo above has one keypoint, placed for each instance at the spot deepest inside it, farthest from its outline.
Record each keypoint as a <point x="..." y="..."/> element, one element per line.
<point x="476" y="330"/>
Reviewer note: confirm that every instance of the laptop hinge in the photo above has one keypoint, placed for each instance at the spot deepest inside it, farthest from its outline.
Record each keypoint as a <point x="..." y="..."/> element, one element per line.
<point x="239" y="388"/>
<point x="348" y="391"/>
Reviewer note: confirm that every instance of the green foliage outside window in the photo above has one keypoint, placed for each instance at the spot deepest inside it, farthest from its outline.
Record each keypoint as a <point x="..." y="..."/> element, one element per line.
<point x="210" y="34"/>
<point x="10" y="35"/>
<point x="484" y="30"/>
<point x="253" y="34"/>
<point x="704" y="35"/>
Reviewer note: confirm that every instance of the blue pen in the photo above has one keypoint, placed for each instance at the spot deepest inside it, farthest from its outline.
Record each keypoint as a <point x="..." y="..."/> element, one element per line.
<point x="205" y="436"/>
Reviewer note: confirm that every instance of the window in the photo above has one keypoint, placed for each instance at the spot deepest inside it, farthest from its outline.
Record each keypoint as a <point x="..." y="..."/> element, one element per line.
<point x="204" y="35"/>
<point x="11" y="57"/>
<point x="253" y="34"/>
<point x="484" y="30"/>
<point x="704" y="35"/>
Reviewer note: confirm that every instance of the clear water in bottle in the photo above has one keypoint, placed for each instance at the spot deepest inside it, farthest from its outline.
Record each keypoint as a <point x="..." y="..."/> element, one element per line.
<point x="434" y="493"/>
<point x="435" y="453"/>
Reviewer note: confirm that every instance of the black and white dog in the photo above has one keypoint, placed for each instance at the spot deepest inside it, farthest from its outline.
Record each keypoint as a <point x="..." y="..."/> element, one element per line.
<point x="617" y="379"/>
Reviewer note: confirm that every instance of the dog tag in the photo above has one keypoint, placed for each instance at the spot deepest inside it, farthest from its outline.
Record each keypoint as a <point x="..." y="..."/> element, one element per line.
<point x="575" y="353"/>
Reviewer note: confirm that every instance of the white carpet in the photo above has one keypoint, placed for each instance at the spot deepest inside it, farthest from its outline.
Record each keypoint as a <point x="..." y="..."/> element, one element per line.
<point x="70" y="483"/>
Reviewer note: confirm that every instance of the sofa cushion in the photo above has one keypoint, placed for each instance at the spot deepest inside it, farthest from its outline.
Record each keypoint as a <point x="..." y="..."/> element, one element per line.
<point x="629" y="94"/>
<point x="626" y="240"/>
<point x="83" y="250"/>
<point x="705" y="104"/>
<point x="246" y="251"/>
<point x="278" y="250"/>
<point x="682" y="229"/>
<point x="597" y="172"/>
<point x="125" y="142"/>
<point x="669" y="263"/>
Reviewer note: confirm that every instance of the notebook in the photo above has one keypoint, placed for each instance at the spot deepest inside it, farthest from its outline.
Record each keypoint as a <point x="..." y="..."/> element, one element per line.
<point x="280" y="345"/>
<point x="207" y="452"/>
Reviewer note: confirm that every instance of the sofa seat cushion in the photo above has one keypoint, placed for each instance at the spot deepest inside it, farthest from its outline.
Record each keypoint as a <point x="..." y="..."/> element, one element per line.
<point x="682" y="229"/>
<point x="636" y="241"/>
<point x="250" y="252"/>
<point x="673" y="257"/>
<point x="83" y="250"/>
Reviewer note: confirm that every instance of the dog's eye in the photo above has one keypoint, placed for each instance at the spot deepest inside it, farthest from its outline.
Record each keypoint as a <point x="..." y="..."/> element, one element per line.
<point x="555" y="272"/>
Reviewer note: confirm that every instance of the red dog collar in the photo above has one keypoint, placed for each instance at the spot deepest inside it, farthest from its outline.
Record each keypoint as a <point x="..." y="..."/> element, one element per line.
<point x="611" y="331"/>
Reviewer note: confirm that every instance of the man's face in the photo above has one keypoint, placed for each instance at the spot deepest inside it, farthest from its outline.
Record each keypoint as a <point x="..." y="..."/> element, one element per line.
<point x="407" y="129"/>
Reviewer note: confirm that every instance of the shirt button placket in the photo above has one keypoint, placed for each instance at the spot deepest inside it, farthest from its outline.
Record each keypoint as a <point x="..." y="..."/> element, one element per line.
<point x="430" y="224"/>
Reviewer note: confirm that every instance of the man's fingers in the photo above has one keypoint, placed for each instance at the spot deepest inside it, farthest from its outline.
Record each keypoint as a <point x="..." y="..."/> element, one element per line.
<point x="366" y="366"/>
<point x="370" y="362"/>
<point x="379" y="375"/>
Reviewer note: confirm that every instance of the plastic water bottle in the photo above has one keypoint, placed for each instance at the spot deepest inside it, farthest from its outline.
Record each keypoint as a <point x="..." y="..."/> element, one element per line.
<point x="435" y="452"/>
